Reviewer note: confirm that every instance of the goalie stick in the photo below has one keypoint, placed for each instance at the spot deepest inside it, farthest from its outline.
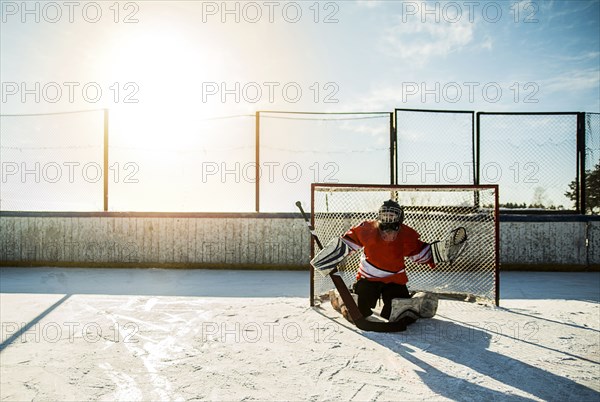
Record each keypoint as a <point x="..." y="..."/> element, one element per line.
<point x="360" y="321"/>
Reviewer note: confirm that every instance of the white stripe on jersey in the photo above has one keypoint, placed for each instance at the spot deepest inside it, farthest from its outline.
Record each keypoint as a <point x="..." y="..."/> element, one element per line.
<point x="368" y="270"/>
<point x="424" y="256"/>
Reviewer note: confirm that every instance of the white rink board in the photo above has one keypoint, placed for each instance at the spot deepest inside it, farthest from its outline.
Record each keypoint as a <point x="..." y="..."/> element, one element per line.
<point x="183" y="335"/>
<point x="237" y="242"/>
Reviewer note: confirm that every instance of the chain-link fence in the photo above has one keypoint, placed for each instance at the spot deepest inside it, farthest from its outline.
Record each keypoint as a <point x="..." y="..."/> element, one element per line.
<point x="52" y="162"/>
<point x="264" y="162"/>
<point x="297" y="149"/>
<point x="435" y="147"/>
<point x="532" y="157"/>
<point x="203" y="165"/>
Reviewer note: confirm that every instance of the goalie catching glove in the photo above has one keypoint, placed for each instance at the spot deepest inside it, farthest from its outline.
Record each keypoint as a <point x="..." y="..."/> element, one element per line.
<point x="450" y="248"/>
<point x="332" y="254"/>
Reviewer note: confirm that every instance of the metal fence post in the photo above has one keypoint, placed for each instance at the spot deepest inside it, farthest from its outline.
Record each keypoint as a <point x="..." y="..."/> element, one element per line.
<point x="257" y="161"/>
<point x="581" y="183"/>
<point x="105" y="160"/>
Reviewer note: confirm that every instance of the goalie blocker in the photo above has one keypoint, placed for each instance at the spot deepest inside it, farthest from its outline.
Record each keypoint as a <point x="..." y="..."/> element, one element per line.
<point x="330" y="256"/>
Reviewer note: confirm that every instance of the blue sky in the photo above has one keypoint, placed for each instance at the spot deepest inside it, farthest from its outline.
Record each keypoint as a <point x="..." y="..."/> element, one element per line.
<point x="184" y="61"/>
<point x="373" y="51"/>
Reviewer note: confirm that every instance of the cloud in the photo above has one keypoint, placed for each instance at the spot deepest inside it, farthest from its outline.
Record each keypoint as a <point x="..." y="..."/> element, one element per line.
<point x="581" y="57"/>
<point x="419" y="42"/>
<point x="552" y="10"/>
<point x="578" y="80"/>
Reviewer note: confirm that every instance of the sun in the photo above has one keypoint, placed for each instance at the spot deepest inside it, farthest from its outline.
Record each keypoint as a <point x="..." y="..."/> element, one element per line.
<point x="160" y="76"/>
<point x="164" y="129"/>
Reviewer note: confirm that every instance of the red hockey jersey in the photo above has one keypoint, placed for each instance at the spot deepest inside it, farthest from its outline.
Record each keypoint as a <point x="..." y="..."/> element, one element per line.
<point x="383" y="261"/>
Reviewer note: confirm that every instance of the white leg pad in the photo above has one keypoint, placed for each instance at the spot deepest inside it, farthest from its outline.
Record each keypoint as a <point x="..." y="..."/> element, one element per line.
<point x="424" y="304"/>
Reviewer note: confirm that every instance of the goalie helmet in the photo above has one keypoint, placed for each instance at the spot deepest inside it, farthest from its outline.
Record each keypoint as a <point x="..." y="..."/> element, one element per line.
<point x="390" y="216"/>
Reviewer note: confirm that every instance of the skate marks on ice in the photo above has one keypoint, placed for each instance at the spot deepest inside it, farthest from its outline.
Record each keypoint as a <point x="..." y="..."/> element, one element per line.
<point x="174" y="347"/>
<point x="92" y="347"/>
<point x="178" y="348"/>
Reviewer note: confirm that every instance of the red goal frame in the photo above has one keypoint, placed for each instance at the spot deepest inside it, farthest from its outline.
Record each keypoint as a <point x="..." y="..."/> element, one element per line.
<point x="390" y="187"/>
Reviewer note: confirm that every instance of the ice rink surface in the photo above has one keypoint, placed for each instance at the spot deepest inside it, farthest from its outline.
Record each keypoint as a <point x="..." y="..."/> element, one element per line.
<point x="139" y="334"/>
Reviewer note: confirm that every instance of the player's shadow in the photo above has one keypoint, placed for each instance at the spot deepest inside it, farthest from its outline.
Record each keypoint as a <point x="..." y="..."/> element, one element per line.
<point x="466" y="359"/>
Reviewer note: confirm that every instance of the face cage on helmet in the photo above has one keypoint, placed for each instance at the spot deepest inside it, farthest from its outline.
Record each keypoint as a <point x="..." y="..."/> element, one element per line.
<point x="390" y="219"/>
<point x="390" y="215"/>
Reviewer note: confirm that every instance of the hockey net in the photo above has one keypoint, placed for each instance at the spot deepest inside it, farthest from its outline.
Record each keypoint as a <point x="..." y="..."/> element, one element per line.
<point x="433" y="211"/>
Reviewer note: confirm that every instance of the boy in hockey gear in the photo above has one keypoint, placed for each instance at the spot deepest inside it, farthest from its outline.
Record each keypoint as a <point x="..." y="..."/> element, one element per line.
<point x="381" y="273"/>
<point x="385" y="242"/>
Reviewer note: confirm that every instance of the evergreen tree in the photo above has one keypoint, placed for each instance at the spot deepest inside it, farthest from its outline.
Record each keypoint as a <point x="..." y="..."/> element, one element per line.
<point x="592" y="190"/>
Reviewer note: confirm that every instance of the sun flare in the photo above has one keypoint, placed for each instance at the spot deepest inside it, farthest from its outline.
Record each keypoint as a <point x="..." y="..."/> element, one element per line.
<point x="161" y="78"/>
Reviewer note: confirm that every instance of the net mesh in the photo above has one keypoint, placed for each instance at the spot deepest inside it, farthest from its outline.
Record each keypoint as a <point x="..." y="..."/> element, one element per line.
<point x="433" y="212"/>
